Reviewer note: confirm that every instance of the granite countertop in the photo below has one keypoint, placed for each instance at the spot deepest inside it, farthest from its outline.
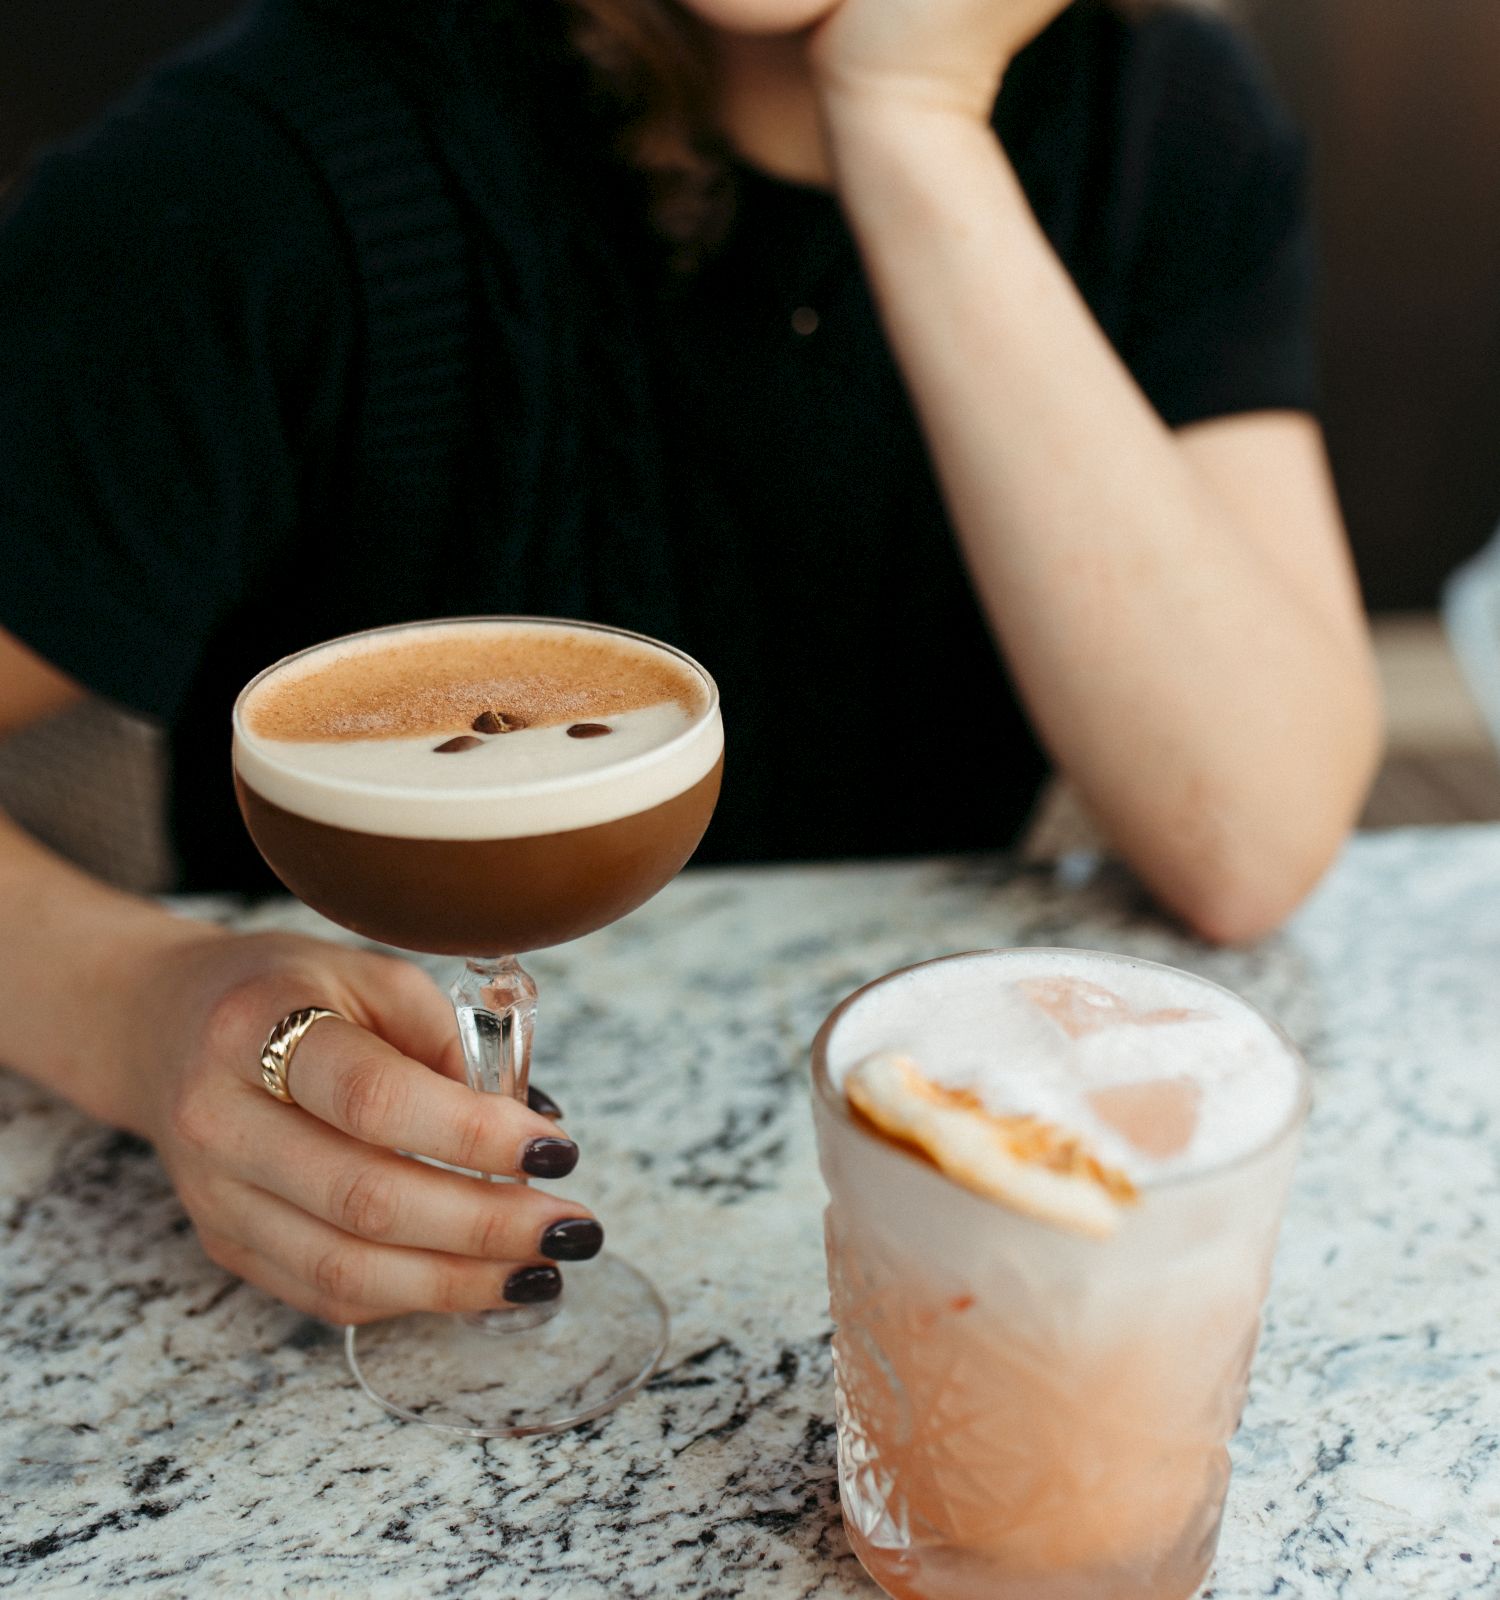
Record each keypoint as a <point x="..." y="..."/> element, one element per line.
<point x="166" y="1430"/>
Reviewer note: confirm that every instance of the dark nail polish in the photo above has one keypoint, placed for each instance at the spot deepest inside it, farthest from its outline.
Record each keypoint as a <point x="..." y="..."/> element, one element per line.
<point x="549" y="1158"/>
<point x="572" y="1239"/>
<point x="542" y="1103"/>
<point x="533" y="1284"/>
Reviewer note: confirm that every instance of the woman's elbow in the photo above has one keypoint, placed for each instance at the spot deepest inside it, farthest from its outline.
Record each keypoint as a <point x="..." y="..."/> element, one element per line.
<point x="1260" y="874"/>
<point x="1238" y="907"/>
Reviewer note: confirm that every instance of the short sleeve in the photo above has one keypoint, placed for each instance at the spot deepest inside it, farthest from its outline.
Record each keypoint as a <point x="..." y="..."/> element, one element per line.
<point x="1219" y="298"/>
<point x="170" y="324"/>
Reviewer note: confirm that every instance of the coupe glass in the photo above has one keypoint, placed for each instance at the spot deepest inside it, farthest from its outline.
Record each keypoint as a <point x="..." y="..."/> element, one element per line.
<point x="517" y="1369"/>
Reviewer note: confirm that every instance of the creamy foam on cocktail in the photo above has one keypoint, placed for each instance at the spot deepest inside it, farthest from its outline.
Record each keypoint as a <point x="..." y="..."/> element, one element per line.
<point x="476" y="730"/>
<point x="479" y="786"/>
<point x="1159" y="1074"/>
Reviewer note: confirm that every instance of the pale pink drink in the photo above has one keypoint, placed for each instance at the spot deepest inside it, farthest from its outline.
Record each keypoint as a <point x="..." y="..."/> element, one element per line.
<point x="1028" y="1410"/>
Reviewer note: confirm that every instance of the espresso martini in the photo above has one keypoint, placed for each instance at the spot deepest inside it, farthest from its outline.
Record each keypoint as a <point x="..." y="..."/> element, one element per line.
<point x="478" y="787"/>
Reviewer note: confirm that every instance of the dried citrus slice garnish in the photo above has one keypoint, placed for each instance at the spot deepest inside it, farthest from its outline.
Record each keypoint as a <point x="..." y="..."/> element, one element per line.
<point x="1021" y="1161"/>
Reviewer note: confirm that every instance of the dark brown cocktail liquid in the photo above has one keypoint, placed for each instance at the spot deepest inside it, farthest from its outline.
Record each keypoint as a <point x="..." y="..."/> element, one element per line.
<point x="480" y="897"/>
<point x="478" y="788"/>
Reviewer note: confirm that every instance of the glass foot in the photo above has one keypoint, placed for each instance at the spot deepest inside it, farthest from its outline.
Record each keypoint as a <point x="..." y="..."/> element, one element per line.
<point x="605" y="1341"/>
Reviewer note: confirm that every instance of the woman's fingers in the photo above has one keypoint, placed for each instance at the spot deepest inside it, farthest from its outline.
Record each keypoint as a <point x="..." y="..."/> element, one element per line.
<point x="310" y="1201"/>
<point x="369" y="1090"/>
<point x="540" y="1101"/>
<point x="330" y="1273"/>
<point x="408" y="1010"/>
<point x="377" y="1195"/>
<point x="267" y="1275"/>
<point x="273" y="1278"/>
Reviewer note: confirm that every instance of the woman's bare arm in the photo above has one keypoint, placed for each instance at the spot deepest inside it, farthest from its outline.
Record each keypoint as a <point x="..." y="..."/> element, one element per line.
<point x="155" y="1023"/>
<point x="1179" y="610"/>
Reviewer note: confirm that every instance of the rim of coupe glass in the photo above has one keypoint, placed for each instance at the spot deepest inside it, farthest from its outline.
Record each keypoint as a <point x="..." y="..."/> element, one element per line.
<point x="608" y="771"/>
<point x="838" y="1105"/>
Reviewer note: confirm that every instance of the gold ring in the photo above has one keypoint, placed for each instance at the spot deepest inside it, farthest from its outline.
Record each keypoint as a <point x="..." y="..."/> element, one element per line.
<point x="276" y="1058"/>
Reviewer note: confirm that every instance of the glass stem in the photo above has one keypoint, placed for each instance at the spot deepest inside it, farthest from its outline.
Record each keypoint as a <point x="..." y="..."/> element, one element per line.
<point x="495" y="1001"/>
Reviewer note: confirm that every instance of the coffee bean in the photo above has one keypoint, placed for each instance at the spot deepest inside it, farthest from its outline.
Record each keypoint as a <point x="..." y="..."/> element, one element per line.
<point x="497" y="722"/>
<point x="588" y="730"/>
<point x="465" y="741"/>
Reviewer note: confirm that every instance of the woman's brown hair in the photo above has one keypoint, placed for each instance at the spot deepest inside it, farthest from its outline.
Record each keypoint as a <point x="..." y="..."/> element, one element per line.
<point x="652" y="60"/>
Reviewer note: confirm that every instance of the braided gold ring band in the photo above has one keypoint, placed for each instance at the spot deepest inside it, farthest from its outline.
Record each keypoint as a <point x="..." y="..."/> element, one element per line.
<point x="276" y="1057"/>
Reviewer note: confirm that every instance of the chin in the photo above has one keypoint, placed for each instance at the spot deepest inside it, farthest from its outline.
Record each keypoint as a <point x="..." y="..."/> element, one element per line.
<point x="759" y="16"/>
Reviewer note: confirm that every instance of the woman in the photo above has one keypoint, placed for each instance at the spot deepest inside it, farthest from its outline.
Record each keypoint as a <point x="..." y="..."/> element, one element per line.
<point x="730" y="320"/>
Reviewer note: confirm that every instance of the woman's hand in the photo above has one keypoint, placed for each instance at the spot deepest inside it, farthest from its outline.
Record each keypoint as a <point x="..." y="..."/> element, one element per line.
<point x="311" y="1202"/>
<point x="944" y="55"/>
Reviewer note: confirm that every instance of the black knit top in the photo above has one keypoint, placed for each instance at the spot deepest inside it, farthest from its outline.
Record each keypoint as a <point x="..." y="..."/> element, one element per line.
<point x="346" y="319"/>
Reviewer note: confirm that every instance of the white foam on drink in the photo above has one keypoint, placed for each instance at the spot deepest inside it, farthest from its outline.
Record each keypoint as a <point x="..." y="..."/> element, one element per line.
<point x="534" y="780"/>
<point x="1057" y="1034"/>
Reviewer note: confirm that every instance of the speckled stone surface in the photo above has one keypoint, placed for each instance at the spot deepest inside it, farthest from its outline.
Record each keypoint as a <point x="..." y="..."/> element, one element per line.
<point x="166" y="1431"/>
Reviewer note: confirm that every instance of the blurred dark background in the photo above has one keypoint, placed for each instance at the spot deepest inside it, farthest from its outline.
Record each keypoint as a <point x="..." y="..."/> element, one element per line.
<point x="1401" y="103"/>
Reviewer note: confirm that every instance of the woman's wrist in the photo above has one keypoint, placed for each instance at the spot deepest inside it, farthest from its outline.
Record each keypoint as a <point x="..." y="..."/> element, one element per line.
<point x="930" y="56"/>
<point x="901" y="165"/>
<point x="856" y="103"/>
<point x="76" y="955"/>
<point x="133" y="951"/>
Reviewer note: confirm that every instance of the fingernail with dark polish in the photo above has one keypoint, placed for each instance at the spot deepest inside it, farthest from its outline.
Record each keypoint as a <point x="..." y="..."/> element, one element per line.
<point x="573" y="1239"/>
<point x="542" y="1103"/>
<point x="549" y="1158"/>
<point x="533" y="1284"/>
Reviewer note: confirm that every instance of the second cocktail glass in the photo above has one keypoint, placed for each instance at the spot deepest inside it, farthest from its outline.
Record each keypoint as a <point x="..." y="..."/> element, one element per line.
<point x="461" y="856"/>
<point x="1027" y="1411"/>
